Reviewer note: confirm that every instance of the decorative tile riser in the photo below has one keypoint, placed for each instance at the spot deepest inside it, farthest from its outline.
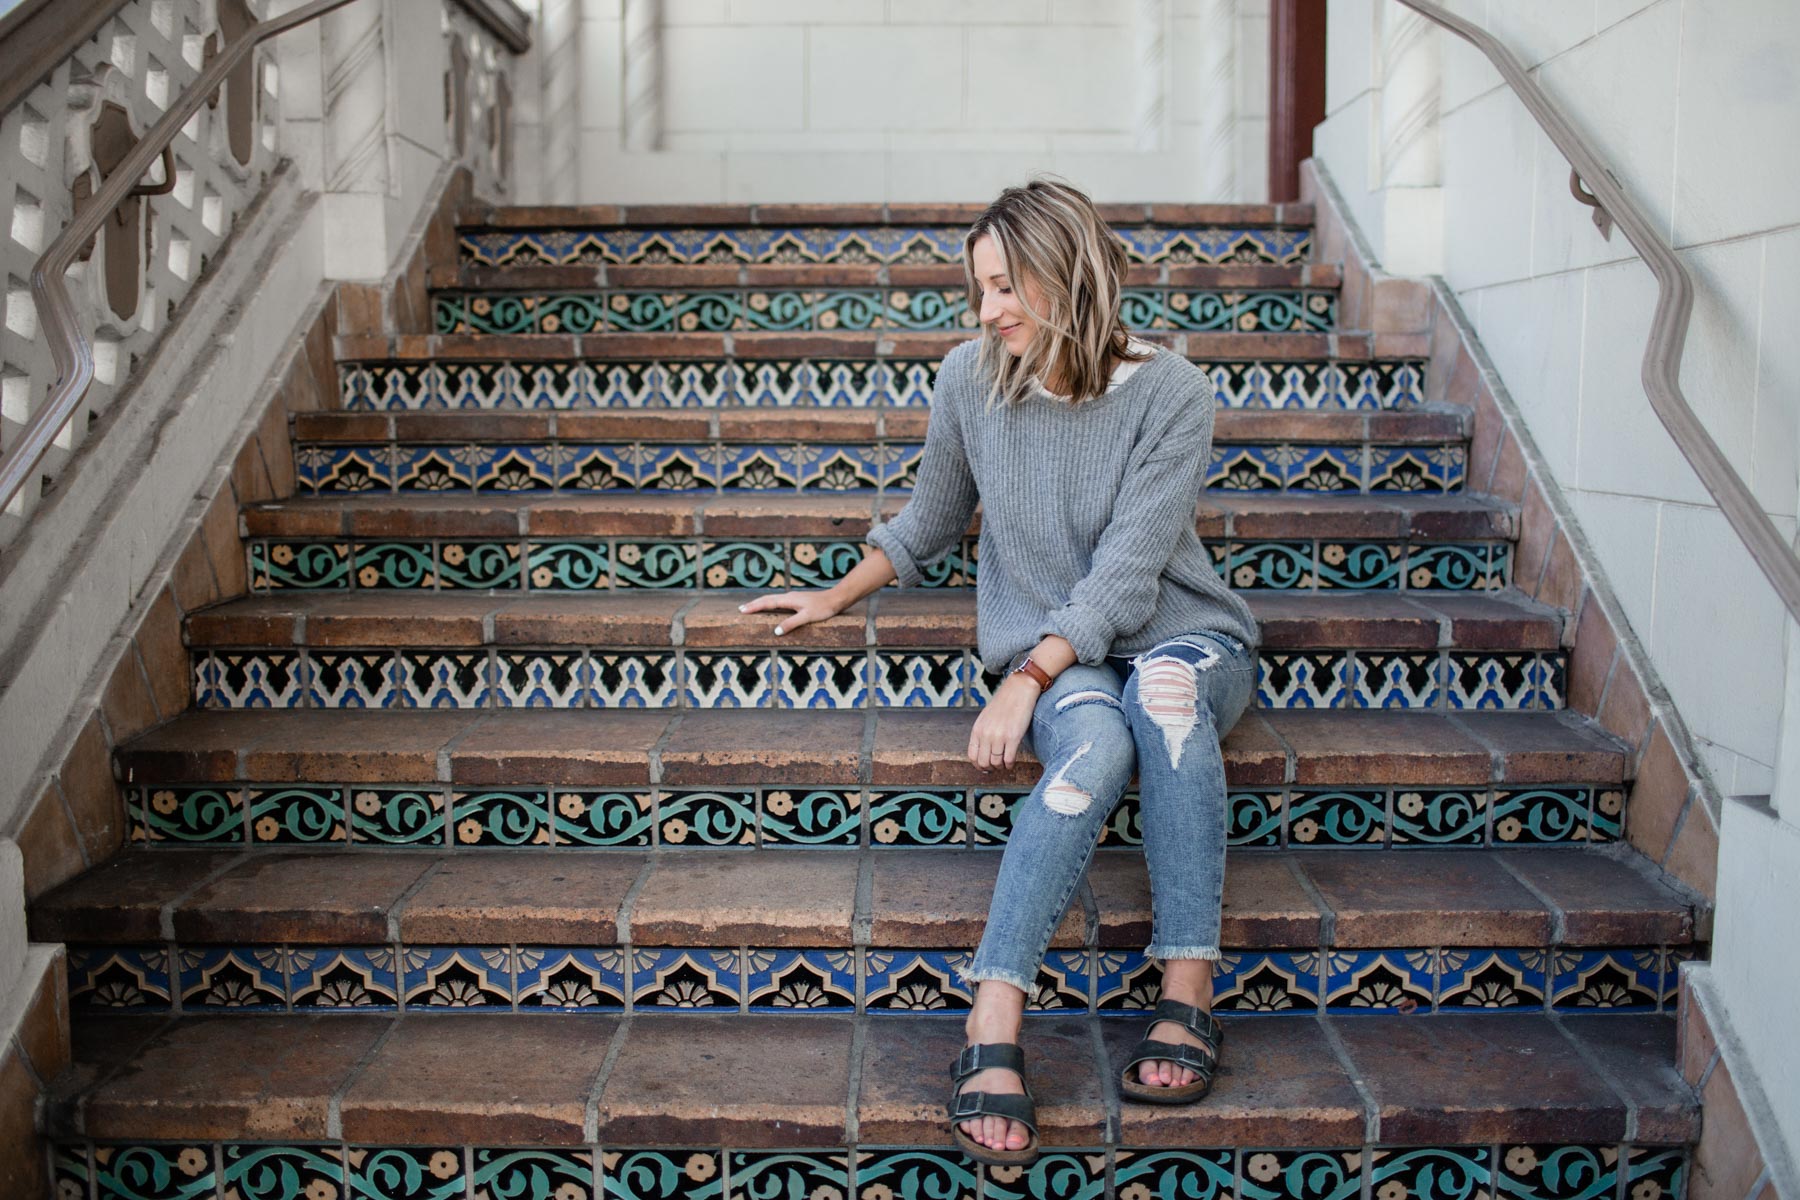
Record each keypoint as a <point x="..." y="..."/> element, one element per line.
<point x="723" y="309"/>
<point x="570" y="565"/>
<point x="597" y="677"/>
<point x="529" y="978"/>
<point x="889" y="244"/>
<point x="447" y="816"/>
<point x="816" y="383"/>
<point x="570" y="467"/>
<point x="257" y="1171"/>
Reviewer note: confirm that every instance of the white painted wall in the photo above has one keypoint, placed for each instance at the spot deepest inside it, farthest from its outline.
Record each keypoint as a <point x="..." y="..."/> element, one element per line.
<point x="1696" y="105"/>
<point x="869" y="100"/>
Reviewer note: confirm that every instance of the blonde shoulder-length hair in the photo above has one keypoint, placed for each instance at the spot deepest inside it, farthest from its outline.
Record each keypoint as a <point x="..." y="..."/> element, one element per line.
<point x="1050" y="234"/>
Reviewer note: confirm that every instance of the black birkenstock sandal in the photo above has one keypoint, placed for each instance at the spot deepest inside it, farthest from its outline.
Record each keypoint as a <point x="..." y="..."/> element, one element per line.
<point x="1203" y="1063"/>
<point x="966" y="1106"/>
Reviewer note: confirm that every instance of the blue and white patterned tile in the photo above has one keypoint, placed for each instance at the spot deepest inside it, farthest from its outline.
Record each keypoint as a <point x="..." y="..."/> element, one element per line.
<point x="337" y="469"/>
<point x="445" y="679"/>
<point x="119" y="978"/>
<point x="823" y="680"/>
<point x="1620" y="980"/>
<point x="1358" y="981"/>
<point x="1125" y="981"/>
<point x="781" y="980"/>
<point x="724" y="679"/>
<point x="352" y="977"/>
<point x="1550" y="680"/>
<point x="1401" y="679"/>
<point x="924" y="679"/>
<point x="672" y="978"/>
<point x="1301" y="679"/>
<point x="1516" y="979"/>
<point x="256" y="679"/>
<point x="1267" y="981"/>
<point x="1064" y="983"/>
<point x="461" y="977"/>
<point x="632" y="680"/>
<point x="1487" y="680"/>
<point x="353" y="679"/>
<point x="248" y="978"/>
<point x="572" y="979"/>
<point x="541" y="679"/>
<point x="915" y="980"/>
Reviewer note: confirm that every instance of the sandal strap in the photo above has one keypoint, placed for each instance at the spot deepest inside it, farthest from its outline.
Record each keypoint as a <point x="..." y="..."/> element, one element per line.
<point x="966" y="1105"/>
<point x="1005" y="1055"/>
<point x="1202" y="1025"/>
<point x="1179" y="1053"/>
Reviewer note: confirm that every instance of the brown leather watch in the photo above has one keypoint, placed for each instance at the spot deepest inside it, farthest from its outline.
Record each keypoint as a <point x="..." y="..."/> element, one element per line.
<point x="1036" y="673"/>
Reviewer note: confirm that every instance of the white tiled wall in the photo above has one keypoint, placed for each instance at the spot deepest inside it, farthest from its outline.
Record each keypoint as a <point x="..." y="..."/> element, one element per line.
<point x="1695" y="104"/>
<point x="823" y="100"/>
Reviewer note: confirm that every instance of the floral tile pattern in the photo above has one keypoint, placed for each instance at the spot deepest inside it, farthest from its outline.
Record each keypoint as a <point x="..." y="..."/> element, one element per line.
<point x="1550" y="1172"/>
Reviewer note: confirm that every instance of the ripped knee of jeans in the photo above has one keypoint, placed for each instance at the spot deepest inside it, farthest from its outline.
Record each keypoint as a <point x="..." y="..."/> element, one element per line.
<point x="1061" y="796"/>
<point x="1088" y="696"/>
<point x="1169" y="691"/>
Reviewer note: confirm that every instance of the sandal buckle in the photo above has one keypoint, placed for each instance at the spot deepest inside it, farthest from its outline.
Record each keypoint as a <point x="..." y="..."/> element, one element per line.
<point x="967" y="1104"/>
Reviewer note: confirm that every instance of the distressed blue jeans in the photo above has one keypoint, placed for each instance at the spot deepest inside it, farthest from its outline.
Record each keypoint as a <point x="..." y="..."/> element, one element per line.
<point x="1162" y="712"/>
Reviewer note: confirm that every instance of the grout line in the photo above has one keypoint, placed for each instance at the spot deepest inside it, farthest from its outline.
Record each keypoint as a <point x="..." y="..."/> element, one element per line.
<point x="405" y="897"/>
<point x="852" y="1098"/>
<point x="1599" y="1068"/>
<point x="334" y="1108"/>
<point x="1559" y="920"/>
<point x="1371" y="1110"/>
<point x="590" y="1114"/>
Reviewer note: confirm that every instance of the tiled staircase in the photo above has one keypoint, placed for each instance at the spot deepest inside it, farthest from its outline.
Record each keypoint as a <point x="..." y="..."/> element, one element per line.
<point x="521" y="786"/>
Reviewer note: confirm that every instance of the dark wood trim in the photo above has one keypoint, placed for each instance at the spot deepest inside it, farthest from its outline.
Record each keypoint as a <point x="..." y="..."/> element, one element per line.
<point x="1296" y="90"/>
<point x="39" y="34"/>
<point x="504" y="19"/>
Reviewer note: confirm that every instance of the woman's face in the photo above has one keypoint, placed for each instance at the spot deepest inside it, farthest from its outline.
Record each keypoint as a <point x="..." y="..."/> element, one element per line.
<point x="1001" y="309"/>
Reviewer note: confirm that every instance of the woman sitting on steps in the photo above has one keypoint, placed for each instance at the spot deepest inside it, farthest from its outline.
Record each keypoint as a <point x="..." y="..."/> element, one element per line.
<point x="1087" y="449"/>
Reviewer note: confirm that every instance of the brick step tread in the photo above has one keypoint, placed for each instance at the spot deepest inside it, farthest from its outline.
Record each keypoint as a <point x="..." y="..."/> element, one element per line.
<point x="932" y="898"/>
<point x="881" y="344"/>
<point x="596" y="216"/>
<point x="820" y="748"/>
<point x="474" y="276"/>
<point x="1416" y="425"/>
<point x="689" y="1079"/>
<point x="942" y="618"/>
<point x="651" y="515"/>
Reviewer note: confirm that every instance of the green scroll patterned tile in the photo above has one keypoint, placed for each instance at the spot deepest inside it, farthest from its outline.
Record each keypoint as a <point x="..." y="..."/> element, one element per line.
<point x="1606" y="821"/>
<point x="312" y="565"/>
<point x="396" y="817"/>
<point x="1068" y="1175"/>
<point x="568" y="566"/>
<point x="206" y="816"/>
<point x="478" y="565"/>
<point x="702" y="818"/>
<point x="297" y="816"/>
<point x="655" y="564"/>
<point x="1431" y="1173"/>
<point x="817" y="817"/>
<point x="594" y="818"/>
<point x="1337" y="818"/>
<point x="406" y="1173"/>
<point x="254" y="1172"/>
<point x="398" y="565"/>
<point x="820" y="564"/>
<point x="1459" y="567"/>
<point x="69" y="1170"/>
<point x="917" y="818"/>
<point x="1655" y="1172"/>
<point x="500" y="817"/>
<point x="1542" y="815"/>
<point x="1440" y="818"/>
<point x="1254" y="818"/>
<point x="167" y="1171"/>
<point x="743" y="564"/>
<point x="662" y="1174"/>
<point x="1187" y="1174"/>
<point x="1124" y="825"/>
<point x="534" y="1174"/>
<point x="1545" y="1172"/>
<point x="781" y="1173"/>
<point x="1302" y="1175"/>
<point x="917" y="1174"/>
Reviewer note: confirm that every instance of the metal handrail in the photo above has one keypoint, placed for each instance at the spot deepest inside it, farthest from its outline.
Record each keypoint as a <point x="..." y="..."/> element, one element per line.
<point x="1668" y="331"/>
<point x="73" y="352"/>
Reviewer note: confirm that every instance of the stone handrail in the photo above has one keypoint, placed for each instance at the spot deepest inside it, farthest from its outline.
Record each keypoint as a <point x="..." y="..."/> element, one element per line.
<point x="1594" y="185"/>
<point x="32" y="47"/>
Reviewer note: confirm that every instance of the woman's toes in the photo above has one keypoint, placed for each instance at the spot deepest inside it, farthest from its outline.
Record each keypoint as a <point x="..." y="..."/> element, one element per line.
<point x="1016" y="1139"/>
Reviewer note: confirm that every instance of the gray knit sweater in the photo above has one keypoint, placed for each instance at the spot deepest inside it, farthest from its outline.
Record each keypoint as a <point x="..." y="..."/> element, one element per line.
<point x="1087" y="527"/>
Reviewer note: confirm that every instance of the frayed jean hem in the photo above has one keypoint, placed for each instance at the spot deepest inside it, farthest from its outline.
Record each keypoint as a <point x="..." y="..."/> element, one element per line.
<point x="995" y="975"/>
<point x="1209" y="953"/>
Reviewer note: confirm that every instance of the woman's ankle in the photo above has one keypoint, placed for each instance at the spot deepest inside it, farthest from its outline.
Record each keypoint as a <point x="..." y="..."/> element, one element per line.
<point x="996" y="1015"/>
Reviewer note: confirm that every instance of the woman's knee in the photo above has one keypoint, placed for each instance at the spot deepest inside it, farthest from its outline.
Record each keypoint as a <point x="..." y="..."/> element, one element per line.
<point x="1093" y="762"/>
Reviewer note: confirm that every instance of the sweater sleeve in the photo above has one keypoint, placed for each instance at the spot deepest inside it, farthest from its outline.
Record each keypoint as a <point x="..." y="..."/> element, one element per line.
<point x="943" y="498"/>
<point x="1159" y="494"/>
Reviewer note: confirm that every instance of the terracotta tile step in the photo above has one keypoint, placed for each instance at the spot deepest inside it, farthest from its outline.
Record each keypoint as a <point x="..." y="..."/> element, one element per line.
<point x="699" y="898"/>
<point x="693" y="1080"/>
<point x="883" y="344"/>
<point x="890" y="618"/>
<point x="1257" y="515"/>
<point x="909" y="748"/>
<point x="596" y="216"/>
<point x="479" y="276"/>
<point x="1419" y="425"/>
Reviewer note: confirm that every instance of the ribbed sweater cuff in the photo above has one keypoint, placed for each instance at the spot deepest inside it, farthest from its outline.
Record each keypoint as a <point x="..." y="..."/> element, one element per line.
<point x="906" y="569"/>
<point x="1084" y="628"/>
